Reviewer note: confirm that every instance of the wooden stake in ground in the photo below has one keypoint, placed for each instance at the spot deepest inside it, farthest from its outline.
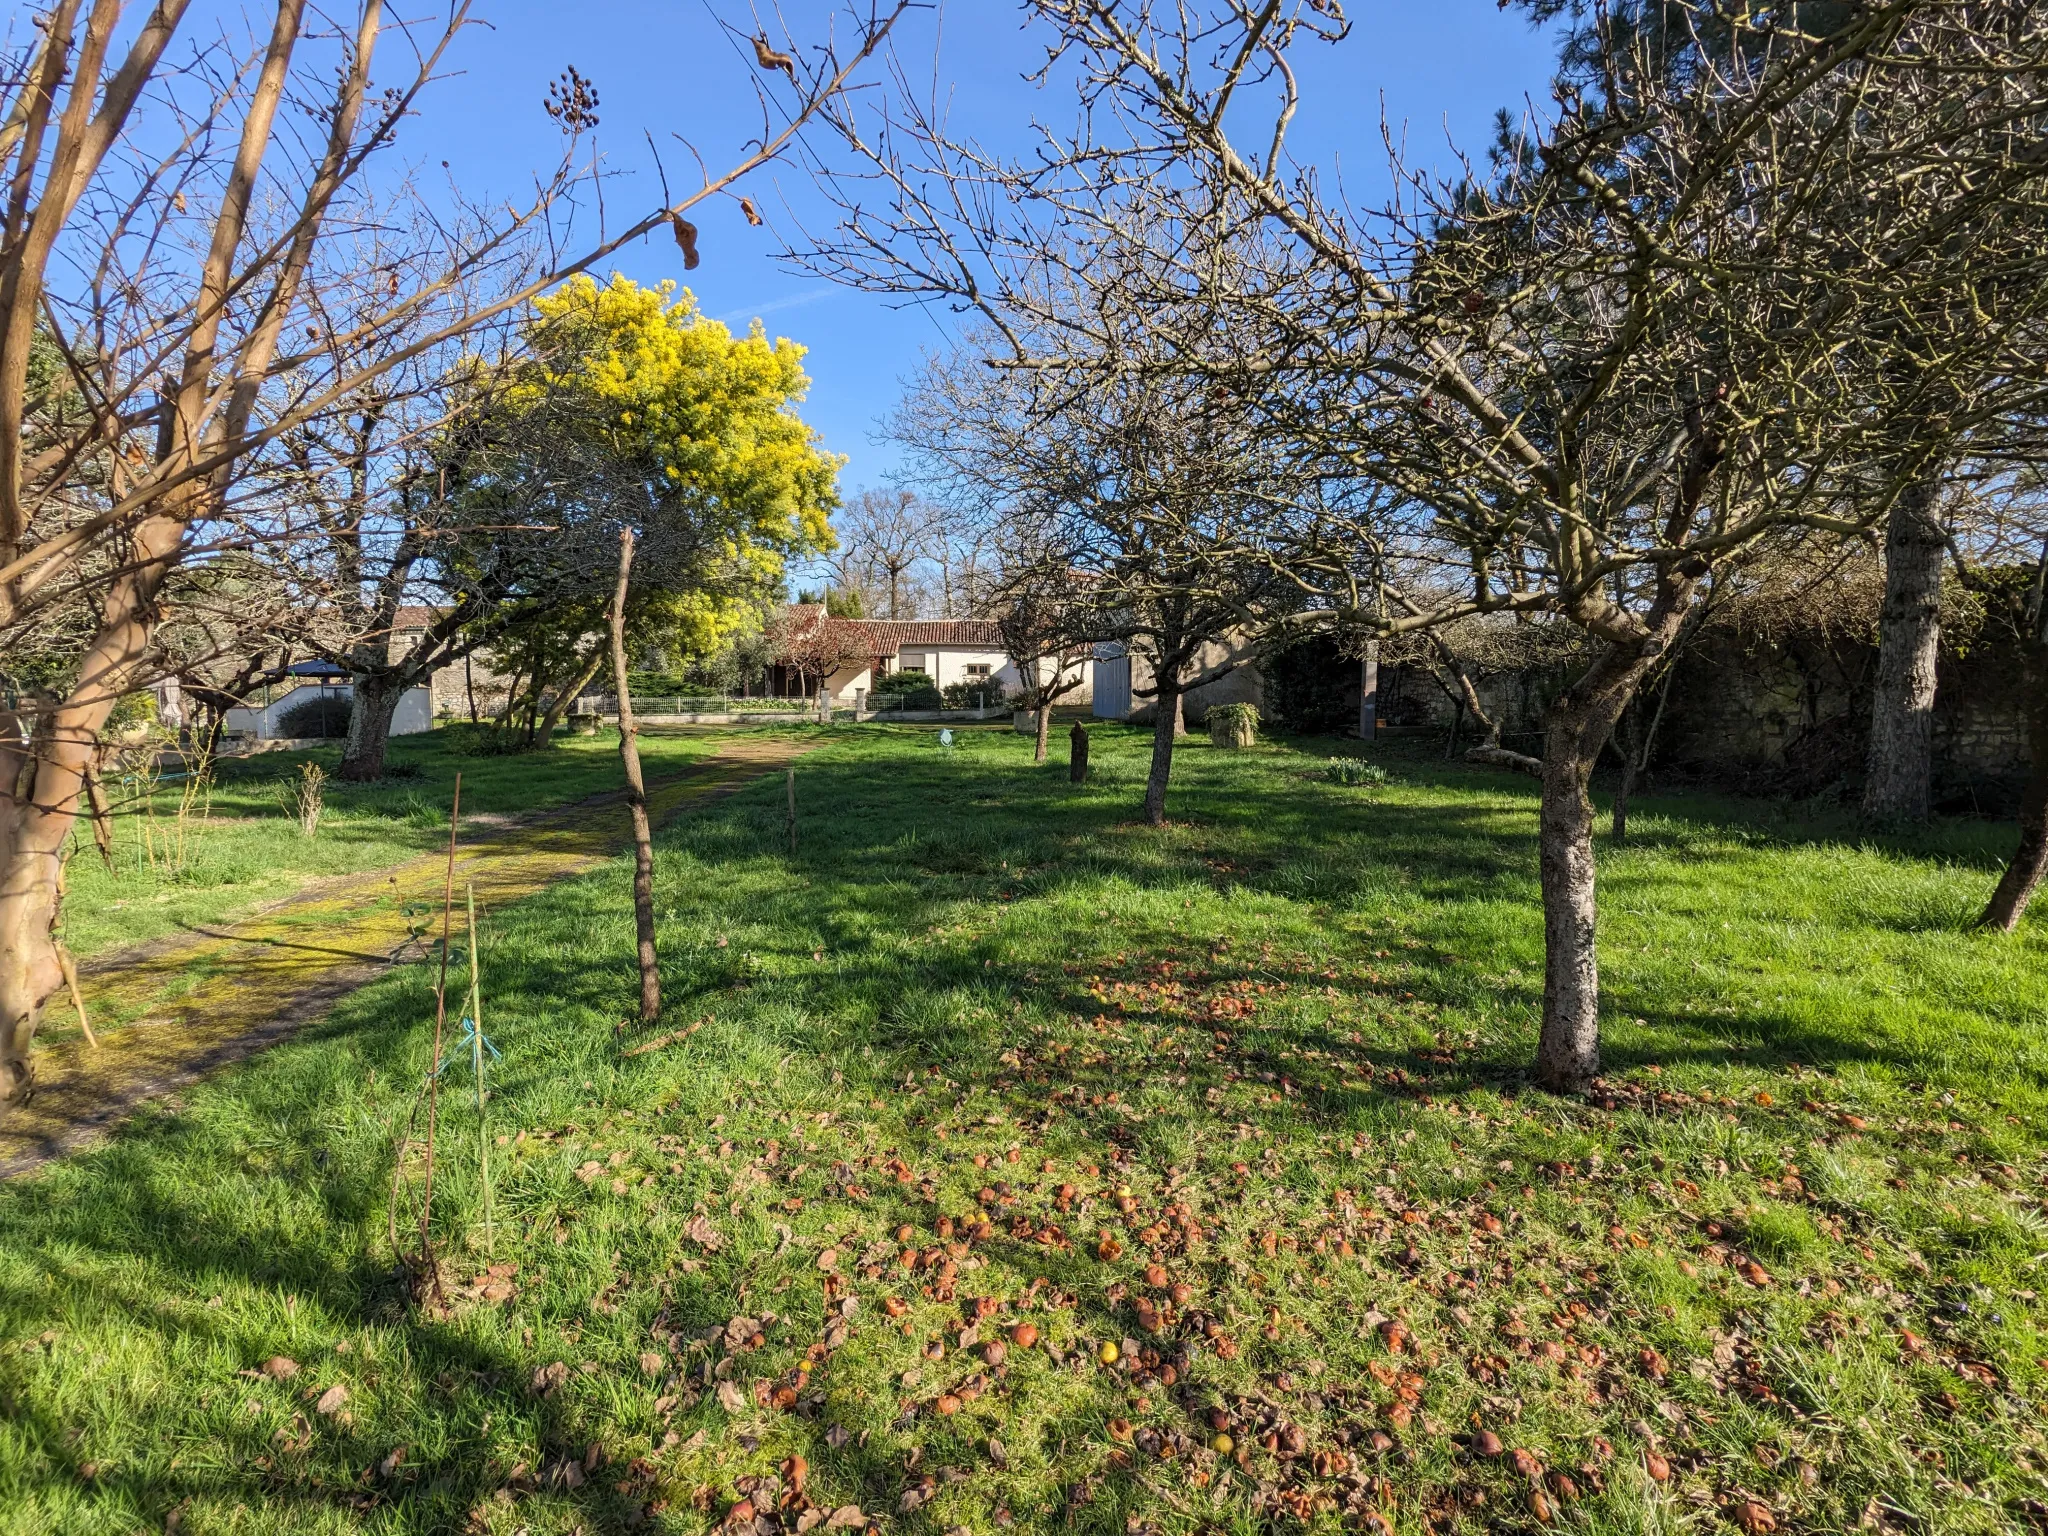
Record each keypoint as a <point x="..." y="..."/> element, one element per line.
<point x="475" y="1011"/>
<point x="1077" y="759"/>
<point x="440" y="1024"/>
<point x="636" y="797"/>
<point x="792" y="812"/>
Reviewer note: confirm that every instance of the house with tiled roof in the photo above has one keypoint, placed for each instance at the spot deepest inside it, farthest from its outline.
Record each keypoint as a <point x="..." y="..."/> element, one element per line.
<point x="853" y="654"/>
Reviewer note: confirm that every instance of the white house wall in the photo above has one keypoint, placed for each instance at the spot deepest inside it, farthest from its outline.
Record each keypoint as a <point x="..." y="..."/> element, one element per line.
<point x="414" y="714"/>
<point x="944" y="665"/>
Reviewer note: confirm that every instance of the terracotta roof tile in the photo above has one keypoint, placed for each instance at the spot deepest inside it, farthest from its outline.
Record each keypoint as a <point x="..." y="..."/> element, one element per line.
<point x="885" y="636"/>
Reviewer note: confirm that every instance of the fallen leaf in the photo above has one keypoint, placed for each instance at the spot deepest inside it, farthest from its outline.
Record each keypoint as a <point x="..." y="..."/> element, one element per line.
<point x="332" y="1399"/>
<point x="1754" y="1518"/>
<point x="829" y="1260"/>
<point x="280" y="1368"/>
<point x="549" y="1378"/>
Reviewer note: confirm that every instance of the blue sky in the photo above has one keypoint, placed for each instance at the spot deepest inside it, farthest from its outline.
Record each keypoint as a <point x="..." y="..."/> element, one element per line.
<point x="1440" y="69"/>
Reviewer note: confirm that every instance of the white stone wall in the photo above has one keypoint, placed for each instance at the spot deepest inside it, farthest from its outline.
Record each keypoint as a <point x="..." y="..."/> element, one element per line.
<point x="414" y="714"/>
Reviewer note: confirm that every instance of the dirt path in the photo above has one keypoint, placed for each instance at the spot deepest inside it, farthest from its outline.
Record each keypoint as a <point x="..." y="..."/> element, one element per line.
<point x="169" y="1012"/>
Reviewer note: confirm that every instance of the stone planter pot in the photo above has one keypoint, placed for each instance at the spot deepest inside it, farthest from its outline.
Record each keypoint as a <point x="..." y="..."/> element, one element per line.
<point x="1231" y="730"/>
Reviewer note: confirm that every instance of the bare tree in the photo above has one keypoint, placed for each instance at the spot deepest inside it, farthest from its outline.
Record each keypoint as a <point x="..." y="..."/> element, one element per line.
<point x="636" y="795"/>
<point x="185" y="353"/>
<point x="809" y="642"/>
<point x="884" y="535"/>
<point x="1135" y="501"/>
<point x="1664" y="325"/>
<point x="1045" y="634"/>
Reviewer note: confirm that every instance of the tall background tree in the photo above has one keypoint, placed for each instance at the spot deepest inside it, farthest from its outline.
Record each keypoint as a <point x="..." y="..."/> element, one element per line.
<point x="170" y="237"/>
<point x="620" y="406"/>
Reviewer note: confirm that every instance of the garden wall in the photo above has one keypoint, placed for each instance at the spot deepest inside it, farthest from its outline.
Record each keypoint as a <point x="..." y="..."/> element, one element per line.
<point x="1788" y="715"/>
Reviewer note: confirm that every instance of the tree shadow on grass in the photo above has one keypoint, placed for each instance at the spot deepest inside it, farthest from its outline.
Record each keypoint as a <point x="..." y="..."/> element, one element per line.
<point x="921" y="847"/>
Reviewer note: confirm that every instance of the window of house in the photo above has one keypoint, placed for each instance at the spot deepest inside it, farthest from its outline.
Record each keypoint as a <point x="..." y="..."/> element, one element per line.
<point x="978" y="669"/>
<point x="913" y="666"/>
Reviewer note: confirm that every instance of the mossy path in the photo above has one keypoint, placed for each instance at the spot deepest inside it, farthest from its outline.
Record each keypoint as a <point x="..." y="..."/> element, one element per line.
<point x="168" y="1012"/>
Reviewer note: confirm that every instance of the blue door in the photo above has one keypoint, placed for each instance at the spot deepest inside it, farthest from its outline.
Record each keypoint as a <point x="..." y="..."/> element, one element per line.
<point x="1112" y="687"/>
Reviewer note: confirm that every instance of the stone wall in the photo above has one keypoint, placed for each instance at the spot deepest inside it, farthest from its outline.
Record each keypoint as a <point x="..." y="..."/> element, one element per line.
<point x="1788" y="716"/>
<point x="1794" y="718"/>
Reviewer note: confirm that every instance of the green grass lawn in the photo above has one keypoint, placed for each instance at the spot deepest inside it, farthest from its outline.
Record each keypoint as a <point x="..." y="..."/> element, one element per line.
<point x="249" y="851"/>
<point x="1013" y="1165"/>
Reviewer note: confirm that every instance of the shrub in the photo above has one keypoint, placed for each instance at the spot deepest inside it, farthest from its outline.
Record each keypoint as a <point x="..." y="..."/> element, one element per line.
<point x="911" y="690"/>
<point x="1353" y="770"/>
<point x="323" y="715"/>
<point x="974" y="693"/>
<point x="1233" y="725"/>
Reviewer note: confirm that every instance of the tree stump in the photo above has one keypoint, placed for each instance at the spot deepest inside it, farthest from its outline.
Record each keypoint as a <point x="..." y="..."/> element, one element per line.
<point x="1077" y="759"/>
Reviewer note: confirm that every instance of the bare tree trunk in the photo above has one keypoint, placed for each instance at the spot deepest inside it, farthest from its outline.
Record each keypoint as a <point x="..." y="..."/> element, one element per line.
<point x="1898" y="785"/>
<point x="569" y="695"/>
<point x="2023" y="875"/>
<point x="369" y="728"/>
<point x="42" y="782"/>
<point x="534" y="694"/>
<point x="1580" y="724"/>
<point x="32" y="833"/>
<point x="636" y="797"/>
<point x="1044" y="733"/>
<point x="1569" y="1053"/>
<point x="1165" y="727"/>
